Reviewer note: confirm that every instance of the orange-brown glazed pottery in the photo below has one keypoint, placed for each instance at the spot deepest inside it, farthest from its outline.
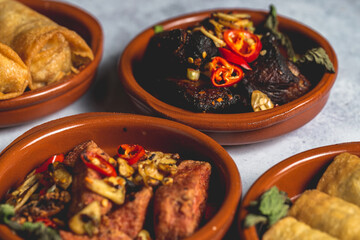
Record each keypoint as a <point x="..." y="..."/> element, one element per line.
<point x="109" y="130"/>
<point x="240" y="128"/>
<point x="43" y="101"/>
<point x="293" y="176"/>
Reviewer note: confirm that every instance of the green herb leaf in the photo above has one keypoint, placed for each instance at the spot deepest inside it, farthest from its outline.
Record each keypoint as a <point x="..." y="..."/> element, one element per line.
<point x="6" y="213"/>
<point x="319" y="56"/>
<point x="253" y="219"/>
<point x="269" y="208"/>
<point x="158" y="29"/>
<point x="271" y="24"/>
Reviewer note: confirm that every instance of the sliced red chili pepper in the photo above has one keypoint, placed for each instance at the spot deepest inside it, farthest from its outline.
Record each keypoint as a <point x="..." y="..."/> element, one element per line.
<point x="44" y="167"/>
<point x="244" y="43"/>
<point x="224" y="74"/>
<point x="98" y="163"/>
<point x="131" y="153"/>
<point x="234" y="58"/>
<point x="47" y="222"/>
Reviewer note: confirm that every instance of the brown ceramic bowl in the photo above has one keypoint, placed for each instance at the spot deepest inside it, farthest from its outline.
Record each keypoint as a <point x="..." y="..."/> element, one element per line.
<point x="241" y="128"/>
<point x="293" y="175"/>
<point x="41" y="102"/>
<point x="109" y="130"/>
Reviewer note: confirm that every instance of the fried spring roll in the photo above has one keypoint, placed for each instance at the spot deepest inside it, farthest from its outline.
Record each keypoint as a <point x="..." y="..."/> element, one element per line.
<point x="50" y="51"/>
<point x="342" y="178"/>
<point x="178" y="207"/>
<point x="14" y="74"/>
<point x="289" y="228"/>
<point x="329" y="214"/>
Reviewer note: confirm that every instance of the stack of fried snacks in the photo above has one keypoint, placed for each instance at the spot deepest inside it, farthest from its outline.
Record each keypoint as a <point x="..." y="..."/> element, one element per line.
<point x="50" y="51"/>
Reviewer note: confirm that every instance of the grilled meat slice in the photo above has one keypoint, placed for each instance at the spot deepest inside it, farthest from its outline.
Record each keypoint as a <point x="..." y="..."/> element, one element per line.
<point x="129" y="217"/>
<point x="178" y="208"/>
<point x="274" y="75"/>
<point x="81" y="196"/>
<point x="170" y="53"/>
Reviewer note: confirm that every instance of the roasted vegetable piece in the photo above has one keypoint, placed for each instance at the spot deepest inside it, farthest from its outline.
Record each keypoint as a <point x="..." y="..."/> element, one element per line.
<point x="98" y="163"/>
<point x="243" y="43"/>
<point x="115" y="193"/>
<point x="60" y="175"/>
<point x="87" y="220"/>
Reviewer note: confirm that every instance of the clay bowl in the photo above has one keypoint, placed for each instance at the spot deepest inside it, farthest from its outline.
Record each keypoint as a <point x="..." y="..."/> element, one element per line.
<point x="109" y="130"/>
<point x="293" y="175"/>
<point x="240" y="128"/>
<point x="41" y="102"/>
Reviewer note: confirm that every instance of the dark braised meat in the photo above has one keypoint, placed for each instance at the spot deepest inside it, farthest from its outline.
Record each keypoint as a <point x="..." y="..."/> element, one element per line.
<point x="178" y="207"/>
<point x="170" y="53"/>
<point x="204" y="97"/>
<point x="274" y="75"/>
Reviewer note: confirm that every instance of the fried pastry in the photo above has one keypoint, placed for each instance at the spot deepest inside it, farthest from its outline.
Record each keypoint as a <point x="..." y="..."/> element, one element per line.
<point x="329" y="214"/>
<point x="50" y="51"/>
<point x="14" y="74"/>
<point x="342" y="178"/>
<point x="289" y="228"/>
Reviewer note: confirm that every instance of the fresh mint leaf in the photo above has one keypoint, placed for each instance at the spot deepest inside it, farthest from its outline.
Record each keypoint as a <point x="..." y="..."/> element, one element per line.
<point x="319" y="56"/>
<point x="268" y="209"/>
<point x="272" y="24"/>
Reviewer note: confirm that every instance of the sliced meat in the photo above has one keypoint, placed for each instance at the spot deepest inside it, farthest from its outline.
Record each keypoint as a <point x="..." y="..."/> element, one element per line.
<point x="128" y="218"/>
<point x="81" y="196"/>
<point x="178" y="208"/>
<point x="274" y="75"/>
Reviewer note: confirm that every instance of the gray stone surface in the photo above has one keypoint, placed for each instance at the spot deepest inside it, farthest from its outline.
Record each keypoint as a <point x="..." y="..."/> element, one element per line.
<point x="336" y="20"/>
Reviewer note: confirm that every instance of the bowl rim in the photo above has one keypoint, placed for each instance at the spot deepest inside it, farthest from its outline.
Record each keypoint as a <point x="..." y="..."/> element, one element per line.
<point x="229" y="122"/>
<point x="214" y="227"/>
<point x="268" y="178"/>
<point x="56" y="89"/>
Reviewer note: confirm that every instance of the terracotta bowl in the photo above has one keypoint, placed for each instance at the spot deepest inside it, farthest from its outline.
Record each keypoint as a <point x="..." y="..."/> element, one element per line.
<point x="41" y="102"/>
<point x="293" y="175"/>
<point x="241" y="128"/>
<point x="108" y="130"/>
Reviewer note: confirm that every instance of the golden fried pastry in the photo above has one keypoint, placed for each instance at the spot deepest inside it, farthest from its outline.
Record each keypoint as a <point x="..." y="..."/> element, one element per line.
<point x="49" y="50"/>
<point x="14" y="74"/>
<point x="289" y="228"/>
<point x="342" y="178"/>
<point x="329" y="214"/>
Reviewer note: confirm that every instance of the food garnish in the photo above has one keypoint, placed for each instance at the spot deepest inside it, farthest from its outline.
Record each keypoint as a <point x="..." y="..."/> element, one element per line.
<point x="158" y="29"/>
<point x="243" y="43"/>
<point x="98" y="163"/>
<point x="271" y="206"/>
<point x="131" y="153"/>
<point x="223" y="73"/>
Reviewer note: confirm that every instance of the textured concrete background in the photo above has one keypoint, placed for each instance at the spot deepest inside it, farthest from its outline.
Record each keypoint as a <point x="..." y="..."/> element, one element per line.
<point x="338" y="21"/>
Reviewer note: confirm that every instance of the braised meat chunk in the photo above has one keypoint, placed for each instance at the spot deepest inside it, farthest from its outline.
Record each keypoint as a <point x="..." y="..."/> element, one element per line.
<point x="274" y="75"/>
<point x="178" y="207"/>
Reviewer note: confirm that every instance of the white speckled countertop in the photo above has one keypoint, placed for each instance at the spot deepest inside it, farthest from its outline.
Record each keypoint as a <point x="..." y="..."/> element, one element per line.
<point x="338" y="21"/>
